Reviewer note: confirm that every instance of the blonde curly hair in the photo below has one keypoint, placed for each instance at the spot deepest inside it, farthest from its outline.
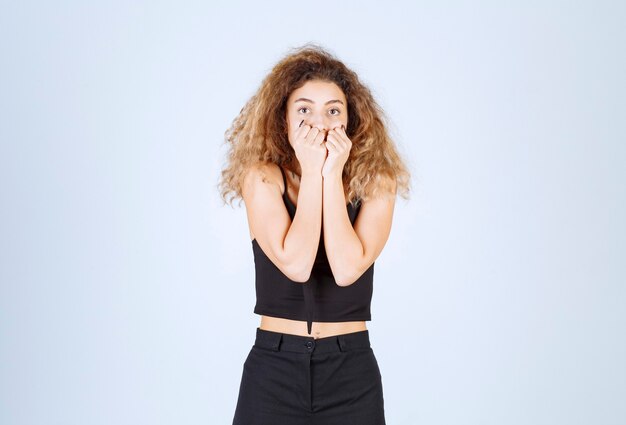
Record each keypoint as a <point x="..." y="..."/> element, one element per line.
<point x="259" y="133"/>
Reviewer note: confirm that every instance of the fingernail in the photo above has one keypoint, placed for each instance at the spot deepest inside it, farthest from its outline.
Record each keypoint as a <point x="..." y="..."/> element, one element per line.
<point x="301" y="123"/>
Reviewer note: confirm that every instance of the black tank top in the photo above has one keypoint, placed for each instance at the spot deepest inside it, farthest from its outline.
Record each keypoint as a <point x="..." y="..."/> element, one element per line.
<point x="319" y="299"/>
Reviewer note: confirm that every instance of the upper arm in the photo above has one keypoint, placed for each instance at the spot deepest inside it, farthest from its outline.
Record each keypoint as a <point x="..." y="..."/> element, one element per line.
<point x="373" y="226"/>
<point x="267" y="215"/>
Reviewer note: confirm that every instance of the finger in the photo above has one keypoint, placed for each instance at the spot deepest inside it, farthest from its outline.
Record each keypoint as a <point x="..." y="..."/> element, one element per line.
<point x="311" y="136"/>
<point x="302" y="132"/>
<point x="338" y="139"/>
<point x="337" y="131"/>
<point x="331" y="144"/>
<point x="344" y="133"/>
<point x="332" y="137"/>
<point x="345" y="139"/>
<point x="319" y="138"/>
<point x="335" y="140"/>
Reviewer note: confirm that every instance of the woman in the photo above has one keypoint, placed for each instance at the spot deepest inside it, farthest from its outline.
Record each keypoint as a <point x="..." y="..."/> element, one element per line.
<point x="312" y="160"/>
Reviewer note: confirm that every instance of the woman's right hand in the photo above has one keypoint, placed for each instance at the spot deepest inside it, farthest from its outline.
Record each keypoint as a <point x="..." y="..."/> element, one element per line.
<point x="310" y="149"/>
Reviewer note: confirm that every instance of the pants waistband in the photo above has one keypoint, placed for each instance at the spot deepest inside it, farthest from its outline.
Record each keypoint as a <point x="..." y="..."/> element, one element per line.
<point x="277" y="341"/>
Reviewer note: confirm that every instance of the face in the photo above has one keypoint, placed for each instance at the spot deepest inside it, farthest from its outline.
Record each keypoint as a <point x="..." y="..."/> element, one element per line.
<point x="320" y="104"/>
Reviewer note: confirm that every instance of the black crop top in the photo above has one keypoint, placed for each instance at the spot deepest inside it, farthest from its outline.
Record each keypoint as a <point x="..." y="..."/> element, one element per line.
<point x="318" y="299"/>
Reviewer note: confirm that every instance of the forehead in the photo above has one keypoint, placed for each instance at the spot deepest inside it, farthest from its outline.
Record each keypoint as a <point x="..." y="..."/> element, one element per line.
<point x="318" y="91"/>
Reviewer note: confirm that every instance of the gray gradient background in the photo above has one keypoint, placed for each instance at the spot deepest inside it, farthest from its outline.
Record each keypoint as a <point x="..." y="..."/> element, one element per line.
<point x="127" y="289"/>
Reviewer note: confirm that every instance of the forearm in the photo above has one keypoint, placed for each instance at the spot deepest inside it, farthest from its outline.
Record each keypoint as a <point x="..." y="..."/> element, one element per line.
<point x="343" y="247"/>
<point x="303" y="238"/>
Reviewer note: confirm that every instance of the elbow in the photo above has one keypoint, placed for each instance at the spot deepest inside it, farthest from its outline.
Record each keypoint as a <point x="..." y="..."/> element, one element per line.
<point x="300" y="273"/>
<point x="348" y="277"/>
<point x="301" y="277"/>
<point x="296" y="269"/>
<point x="345" y="279"/>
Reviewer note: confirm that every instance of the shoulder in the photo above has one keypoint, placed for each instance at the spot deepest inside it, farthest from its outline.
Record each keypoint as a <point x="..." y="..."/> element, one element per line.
<point x="387" y="184"/>
<point x="383" y="189"/>
<point x="263" y="173"/>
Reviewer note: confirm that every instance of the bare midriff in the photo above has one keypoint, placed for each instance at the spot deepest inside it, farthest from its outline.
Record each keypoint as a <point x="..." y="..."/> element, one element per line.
<point x="318" y="329"/>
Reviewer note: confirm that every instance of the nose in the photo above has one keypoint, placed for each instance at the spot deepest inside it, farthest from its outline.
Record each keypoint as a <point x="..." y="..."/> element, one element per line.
<point x="323" y="123"/>
<point x="320" y="123"/>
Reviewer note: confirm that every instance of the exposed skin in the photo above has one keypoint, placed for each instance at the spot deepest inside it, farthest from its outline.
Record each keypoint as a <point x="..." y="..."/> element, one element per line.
<point x="350" y="250"/>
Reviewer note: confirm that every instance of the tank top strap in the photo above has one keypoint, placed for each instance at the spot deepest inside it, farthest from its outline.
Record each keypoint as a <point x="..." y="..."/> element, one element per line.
<point x="284" y="179"/>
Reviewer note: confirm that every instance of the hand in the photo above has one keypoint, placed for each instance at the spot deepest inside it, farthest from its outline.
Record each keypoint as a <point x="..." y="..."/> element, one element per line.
<point x="309" y="148"/>
<point x="338" y="145"/>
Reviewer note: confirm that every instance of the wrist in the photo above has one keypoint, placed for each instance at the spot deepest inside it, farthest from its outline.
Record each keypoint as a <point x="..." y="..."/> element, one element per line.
<point x="333" y="175"/>
<point x="311" y="174"/>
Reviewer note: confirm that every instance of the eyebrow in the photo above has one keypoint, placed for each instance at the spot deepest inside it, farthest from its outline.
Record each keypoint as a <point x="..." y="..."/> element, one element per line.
<point x="304" y="99"/>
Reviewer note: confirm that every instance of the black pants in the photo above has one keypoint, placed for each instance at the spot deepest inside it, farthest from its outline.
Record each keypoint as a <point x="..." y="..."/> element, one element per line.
<point x="297" y="380"/>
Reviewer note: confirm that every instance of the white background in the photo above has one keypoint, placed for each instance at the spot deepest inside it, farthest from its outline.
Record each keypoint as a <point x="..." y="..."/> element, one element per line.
<point x="127" y="288"/>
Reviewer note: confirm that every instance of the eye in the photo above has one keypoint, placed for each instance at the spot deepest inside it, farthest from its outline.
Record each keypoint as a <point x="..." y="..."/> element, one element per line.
<point x="304" y="107"/>
<point x="335" y="109"/>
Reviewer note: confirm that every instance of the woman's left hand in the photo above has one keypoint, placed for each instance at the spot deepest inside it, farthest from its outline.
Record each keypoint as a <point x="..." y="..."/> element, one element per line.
<point x="338" y="145"/>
